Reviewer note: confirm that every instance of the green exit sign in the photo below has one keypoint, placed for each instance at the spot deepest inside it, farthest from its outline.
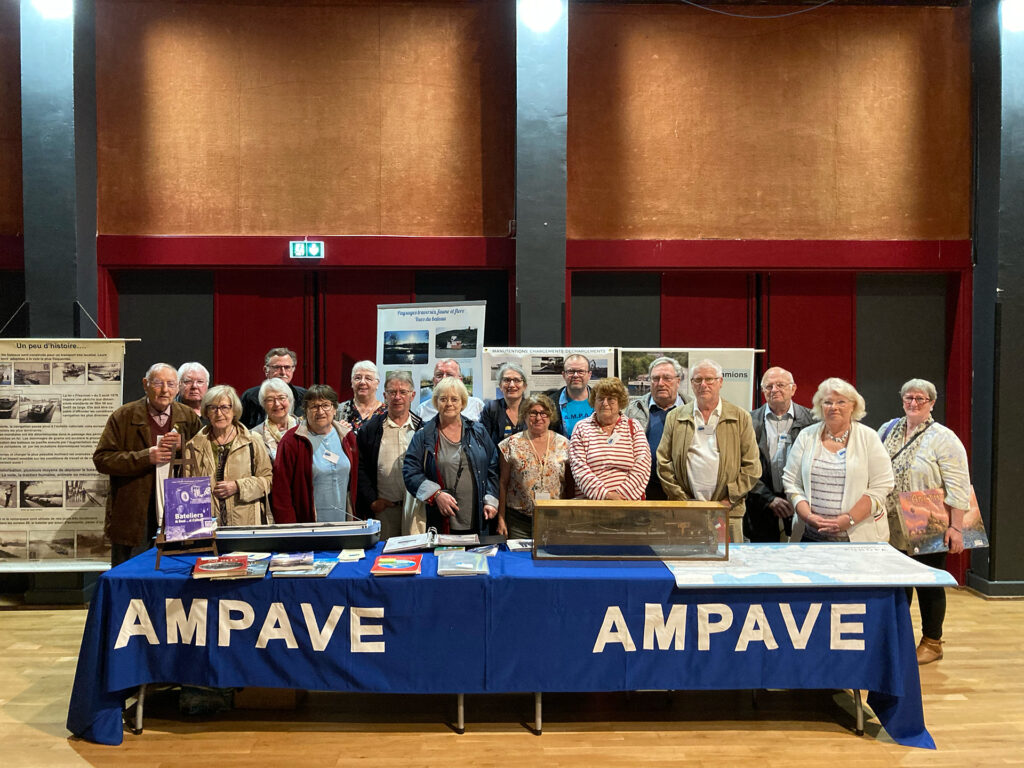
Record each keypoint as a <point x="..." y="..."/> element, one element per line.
<point x="306" y="249"/>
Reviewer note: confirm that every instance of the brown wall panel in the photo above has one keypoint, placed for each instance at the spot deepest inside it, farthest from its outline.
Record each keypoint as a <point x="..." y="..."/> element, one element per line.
<point x="842" y="123"/>
<point x="10" y="119"/>
<point x="356" y="118"/>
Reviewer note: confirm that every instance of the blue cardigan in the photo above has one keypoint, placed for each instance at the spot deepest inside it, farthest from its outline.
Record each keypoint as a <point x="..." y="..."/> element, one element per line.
<point x="422" y="477"/>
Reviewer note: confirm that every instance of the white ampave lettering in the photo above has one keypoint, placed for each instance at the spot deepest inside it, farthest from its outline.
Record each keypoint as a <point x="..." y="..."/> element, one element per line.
<point x="660" y="633"/>
<point x="189" y="627"/>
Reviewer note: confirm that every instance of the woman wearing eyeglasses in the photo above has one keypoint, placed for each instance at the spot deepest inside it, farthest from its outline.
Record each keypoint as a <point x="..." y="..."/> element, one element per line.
<point x="838" y="474"/>
<point x="452" y="465"/>
<point x="364" y="404"/>
<point x="278" y="401"/>
<point x="317" y="465"/>
<point x="926" y="455"/>
<point x="500" y="416"/>
<point x="533" y="464"/>
<point x="234" y="459"/>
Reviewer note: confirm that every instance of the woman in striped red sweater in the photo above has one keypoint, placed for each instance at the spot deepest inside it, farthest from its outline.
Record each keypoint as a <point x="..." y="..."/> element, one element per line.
<point x="608" y="452"/>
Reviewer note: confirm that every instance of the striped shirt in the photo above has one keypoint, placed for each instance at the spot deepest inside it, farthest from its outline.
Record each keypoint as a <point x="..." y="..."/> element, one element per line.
<point x="602" y="463"/>
<point x="828" y="478"/>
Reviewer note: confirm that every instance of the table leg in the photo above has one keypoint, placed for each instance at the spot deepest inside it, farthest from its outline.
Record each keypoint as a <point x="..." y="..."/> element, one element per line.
<point x="538" y="714"/>
<point x="460" y="716"/>
<point x="859" y="707"/>
<point x="140" y="701"/>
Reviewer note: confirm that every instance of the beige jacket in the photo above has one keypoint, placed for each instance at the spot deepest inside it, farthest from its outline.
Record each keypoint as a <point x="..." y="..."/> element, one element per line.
<point x="739" y="465"/>
<point x="247" y="453"/>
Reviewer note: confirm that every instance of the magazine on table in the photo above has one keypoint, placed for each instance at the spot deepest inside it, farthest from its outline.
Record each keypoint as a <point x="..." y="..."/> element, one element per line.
<point x="315" y="569"/>
<point x="462" y="564"/>
<point x="288" y="561"/>
<point x="188" y="509"/>
<point x="428" y="540"/>
<point x="926" y="517"/>
<point x="220" y="567"/>
<point x="397" y="565"/>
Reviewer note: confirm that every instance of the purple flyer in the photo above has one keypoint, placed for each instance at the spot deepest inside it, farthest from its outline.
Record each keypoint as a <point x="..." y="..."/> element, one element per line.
<point x="188" y="513"/>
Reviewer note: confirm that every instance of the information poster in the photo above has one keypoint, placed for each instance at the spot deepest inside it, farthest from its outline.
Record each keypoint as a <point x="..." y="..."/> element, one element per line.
<point x="543" y="365"/>
<point x="737" y="371"/>
<point x="55" y="397"/>
<point x="413" y="337"/>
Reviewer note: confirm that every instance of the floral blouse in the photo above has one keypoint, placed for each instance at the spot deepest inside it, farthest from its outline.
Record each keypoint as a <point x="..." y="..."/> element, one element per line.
<point x="347" y="411"/>
<point x="531" y="473"/>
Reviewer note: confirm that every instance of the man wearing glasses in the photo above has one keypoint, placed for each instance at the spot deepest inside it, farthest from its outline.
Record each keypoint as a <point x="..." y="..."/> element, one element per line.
<point x="442" y="370"/>
<point x="279" y="363"/>
<point x="573" y="400"/>
<point x="137" y="438"/>
<point x="382" y="443"/>
<point x="708" y="451"/>
<point x="666" y="374"/>
<point x="776" y="425"/>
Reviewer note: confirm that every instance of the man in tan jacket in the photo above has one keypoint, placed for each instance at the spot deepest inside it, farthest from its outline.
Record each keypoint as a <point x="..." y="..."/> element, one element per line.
<point x="708" y="451"/>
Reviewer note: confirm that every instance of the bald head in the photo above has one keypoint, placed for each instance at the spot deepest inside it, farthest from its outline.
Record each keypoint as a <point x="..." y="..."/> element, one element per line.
<point x="778" y="388"/>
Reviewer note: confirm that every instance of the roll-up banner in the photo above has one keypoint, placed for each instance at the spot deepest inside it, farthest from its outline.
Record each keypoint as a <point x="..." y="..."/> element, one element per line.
<point x="55" y="397"/>
<point x="414" y="337"/>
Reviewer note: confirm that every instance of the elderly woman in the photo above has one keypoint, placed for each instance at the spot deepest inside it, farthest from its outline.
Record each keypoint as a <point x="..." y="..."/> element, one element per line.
<point x="533" y="464"/>
<point x="500" y="416"/>
<point x="364" y="404"/>
<point x="234" y="459"/>
<point x="608" y="451"/>
<point x="452" y="465"/>
<point x="317" y="463"/>
<point x="277" y="400"/>
<point x="838" y="474"/>
<point x="925" y="455"/>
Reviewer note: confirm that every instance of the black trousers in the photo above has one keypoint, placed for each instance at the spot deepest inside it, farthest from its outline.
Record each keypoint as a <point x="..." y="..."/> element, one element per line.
<point x="931" y="600"/>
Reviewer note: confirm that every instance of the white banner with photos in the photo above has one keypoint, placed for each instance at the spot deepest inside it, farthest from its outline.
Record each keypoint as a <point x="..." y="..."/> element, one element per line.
<point x="55" y="397"/>
<point x="413" y="337"/>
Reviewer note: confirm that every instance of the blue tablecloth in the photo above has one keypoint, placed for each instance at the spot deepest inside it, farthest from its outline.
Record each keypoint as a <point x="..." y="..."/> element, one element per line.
<point x="528" y="626"/>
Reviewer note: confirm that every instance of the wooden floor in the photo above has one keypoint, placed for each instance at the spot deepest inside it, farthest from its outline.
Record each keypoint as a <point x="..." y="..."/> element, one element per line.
<point x="973" y="699"/>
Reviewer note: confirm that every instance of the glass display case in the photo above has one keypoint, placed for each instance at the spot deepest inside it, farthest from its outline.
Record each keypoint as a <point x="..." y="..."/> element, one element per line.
<point x="579" y="529"/>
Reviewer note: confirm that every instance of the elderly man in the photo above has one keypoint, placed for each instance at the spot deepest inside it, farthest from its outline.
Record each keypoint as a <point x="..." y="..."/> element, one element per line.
<point x="666" y="375"/>
<point x="443" y="369"/>
<point x="382" y="443"/>
<point x="138" y="437"/>
<point x="572" y="400"/>
<point x="708" y="451"/>
<point x="279" y="363"/>
<point x="776" y="425"/>
<point x="193" y="381"/>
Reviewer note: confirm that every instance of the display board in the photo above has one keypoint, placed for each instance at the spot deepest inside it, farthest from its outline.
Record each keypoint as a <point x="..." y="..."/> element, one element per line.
<point x="55" y="397"/>
<point x="737" y="370"/>
<point x="413" y="337"/>
<point x="543" y="365"/>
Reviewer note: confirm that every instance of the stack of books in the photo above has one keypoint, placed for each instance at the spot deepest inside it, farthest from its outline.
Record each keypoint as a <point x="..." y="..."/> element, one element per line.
<point x="235" y="566"/>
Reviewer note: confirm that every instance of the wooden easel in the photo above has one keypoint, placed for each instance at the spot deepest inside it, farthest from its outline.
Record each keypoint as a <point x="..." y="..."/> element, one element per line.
<point x="185" y="546"/>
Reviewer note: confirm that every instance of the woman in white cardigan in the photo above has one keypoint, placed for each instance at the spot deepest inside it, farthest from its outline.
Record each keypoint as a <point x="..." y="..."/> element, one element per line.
<point x="838" y="473"/>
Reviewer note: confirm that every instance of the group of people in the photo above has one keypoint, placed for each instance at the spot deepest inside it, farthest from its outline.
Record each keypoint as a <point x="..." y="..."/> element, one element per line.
<point x="281" y="453"/>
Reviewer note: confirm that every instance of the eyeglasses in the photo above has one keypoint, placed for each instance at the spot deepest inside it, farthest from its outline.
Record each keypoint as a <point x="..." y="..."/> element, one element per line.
<point x="510" y="380"/>
<point x="575" y="372"/>
<point x="281" y="368"/>
<point x="835" y="403"/>
<point x="704" y="380"/>
<point x="770" y="387"/>
<point x="320" y="407"/>
<point x="915" y="399"/>
<point x="658" y="379"/>
<point x="219" y="408"/>
<point x="275" y="399"/>
<point x="538" y="414"/>
<point x="190" y="382"/>
<point x="364" y="377"/>
<point x="163" y="384"/>
<point x="397" y="393"/>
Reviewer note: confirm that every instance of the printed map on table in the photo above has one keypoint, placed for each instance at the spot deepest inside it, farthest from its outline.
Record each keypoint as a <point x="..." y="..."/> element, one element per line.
<point x="810" y="565"/>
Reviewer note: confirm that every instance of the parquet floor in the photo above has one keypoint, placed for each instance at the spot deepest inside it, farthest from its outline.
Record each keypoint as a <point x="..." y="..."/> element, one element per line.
<point x="974" y="707"/>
